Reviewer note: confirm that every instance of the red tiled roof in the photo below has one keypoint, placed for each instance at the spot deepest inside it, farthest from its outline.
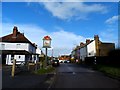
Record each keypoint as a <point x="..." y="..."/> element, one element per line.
<point x="20" y="38"/>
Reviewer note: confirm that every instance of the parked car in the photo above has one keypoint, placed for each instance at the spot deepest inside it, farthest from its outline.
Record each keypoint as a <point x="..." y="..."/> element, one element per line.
<point x="55" y="63"/>
<point x="60" y="61"/>
<point x="65" y="61"/>
<point x="68" y="61"/>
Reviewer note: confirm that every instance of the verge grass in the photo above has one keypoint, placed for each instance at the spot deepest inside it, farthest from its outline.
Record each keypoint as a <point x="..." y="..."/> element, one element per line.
<point x="47" y="70"/>
<point x="109" y="70"/>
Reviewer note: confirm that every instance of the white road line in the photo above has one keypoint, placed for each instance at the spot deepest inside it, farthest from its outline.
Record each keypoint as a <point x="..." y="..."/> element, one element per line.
<point x="73" y="73"/>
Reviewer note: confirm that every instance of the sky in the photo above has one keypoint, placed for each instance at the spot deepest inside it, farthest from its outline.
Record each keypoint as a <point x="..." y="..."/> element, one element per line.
<point x="67" y="23"/>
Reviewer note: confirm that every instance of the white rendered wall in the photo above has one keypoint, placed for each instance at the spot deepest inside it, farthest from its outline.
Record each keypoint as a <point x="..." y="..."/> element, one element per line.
<point x="91" y="49"/>
<point x="38" y="51"/>
<point x="13" y="46"/>
<point x="17" y="46"/>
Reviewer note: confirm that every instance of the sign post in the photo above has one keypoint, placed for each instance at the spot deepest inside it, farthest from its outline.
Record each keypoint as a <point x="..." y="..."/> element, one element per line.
<point x="13" y="68"/>
<point x="46" y="44"/>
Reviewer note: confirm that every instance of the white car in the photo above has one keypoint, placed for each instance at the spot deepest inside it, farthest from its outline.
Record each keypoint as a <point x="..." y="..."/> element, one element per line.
<point x="61" y="61"/>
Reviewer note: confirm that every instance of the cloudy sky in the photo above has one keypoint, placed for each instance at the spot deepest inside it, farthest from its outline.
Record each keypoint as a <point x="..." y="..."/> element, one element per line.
<point x="67" y="23"/>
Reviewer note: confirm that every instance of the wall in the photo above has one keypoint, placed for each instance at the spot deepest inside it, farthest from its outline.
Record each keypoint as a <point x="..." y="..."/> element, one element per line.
<point x="38" y="51"/>
<point x="32" y="49"/>
<point x="83" y="53"/>
<point x="105" y="48"/>
<point x="91" y="50"/>
<point x="17" y="46"/>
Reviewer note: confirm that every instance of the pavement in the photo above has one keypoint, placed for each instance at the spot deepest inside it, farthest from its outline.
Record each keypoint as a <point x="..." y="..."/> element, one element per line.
<point x="25" y="80"/>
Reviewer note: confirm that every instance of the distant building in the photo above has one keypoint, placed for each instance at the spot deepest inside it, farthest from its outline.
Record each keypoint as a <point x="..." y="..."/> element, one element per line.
<point x="64" y="57"/>
<point x="17" y="46"/>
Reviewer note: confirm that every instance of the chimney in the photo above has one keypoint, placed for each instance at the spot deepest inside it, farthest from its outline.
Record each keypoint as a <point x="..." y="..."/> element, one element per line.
<point x="15" y="31"/>
<point x="87" y="41"/>
<point x="96" y="37"/>
<point x="82" y="44"/>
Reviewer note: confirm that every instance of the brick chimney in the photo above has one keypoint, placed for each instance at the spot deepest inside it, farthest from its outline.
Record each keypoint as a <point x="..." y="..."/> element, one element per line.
<point x="87" y="41"/>
<point x="82" y="44"/>
<point x="96" y="37"/>
<point x="15" y="31"/>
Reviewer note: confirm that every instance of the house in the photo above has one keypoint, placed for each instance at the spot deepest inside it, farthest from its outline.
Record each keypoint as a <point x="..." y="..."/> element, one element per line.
<point x="17" y="46"/>
<point x="38" y="53"/>
<point x="83" y="51"/>
<point x="99" y="48"/>
<point x="72" y="56"/>
<point x="94" y="48"/>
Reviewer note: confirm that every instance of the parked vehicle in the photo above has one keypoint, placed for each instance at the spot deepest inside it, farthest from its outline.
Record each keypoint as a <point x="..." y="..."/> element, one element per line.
<point x="60" y="61"/>
<point x="55" y="63"/>
<point x="65" y="61"/>
<point x="68" y="61"/>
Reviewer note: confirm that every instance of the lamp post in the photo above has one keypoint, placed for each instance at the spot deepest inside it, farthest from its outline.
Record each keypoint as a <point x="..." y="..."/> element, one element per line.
<point x="46" y="44"/>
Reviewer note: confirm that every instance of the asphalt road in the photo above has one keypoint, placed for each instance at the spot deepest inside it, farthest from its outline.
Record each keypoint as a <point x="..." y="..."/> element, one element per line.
<point x="0" y="78"/>
<point x="75" y="76"/>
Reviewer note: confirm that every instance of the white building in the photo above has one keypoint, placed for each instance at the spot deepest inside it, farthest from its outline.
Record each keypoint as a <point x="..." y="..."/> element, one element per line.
<point x="17" y="46"/>
<point x="95" y="48"/>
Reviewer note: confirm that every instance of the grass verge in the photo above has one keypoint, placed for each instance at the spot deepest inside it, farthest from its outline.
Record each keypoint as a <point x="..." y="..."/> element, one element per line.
<point x="109" y="70"/>
<point x="47" y="70"/>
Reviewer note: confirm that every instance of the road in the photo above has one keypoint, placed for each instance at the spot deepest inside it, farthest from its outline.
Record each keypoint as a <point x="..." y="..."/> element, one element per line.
<point x="0" y="77"/>
<point x="76" y="76"/>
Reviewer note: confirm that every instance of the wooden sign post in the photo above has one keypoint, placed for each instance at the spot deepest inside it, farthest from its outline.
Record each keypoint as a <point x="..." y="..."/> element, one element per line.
<point x="46" y="44"/>
<point x="13" y="68"/>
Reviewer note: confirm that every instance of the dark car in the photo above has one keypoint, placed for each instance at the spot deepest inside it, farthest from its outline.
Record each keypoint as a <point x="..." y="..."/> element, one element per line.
<point x="55" y="63"/>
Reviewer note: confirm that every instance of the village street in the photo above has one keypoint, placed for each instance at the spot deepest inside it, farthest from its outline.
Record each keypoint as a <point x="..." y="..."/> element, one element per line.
<point x="69" y="34"/>
<point x="77" y="76"/>
<point x="68" y="75"/>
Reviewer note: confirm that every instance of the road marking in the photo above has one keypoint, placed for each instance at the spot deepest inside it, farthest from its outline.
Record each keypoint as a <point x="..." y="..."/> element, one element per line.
<point x="73" y="73"/>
